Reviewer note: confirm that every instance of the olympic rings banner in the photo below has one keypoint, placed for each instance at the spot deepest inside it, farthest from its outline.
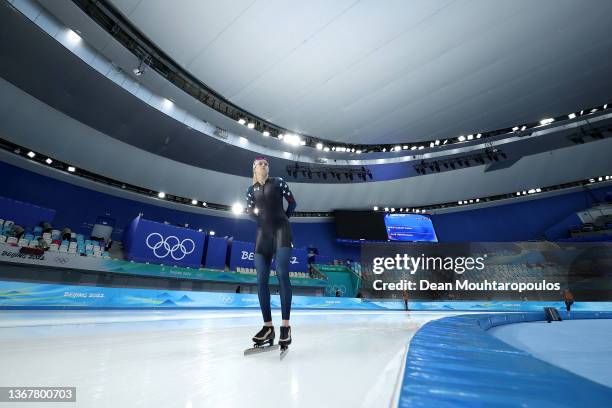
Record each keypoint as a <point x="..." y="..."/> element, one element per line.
<point x="154" y="242"/>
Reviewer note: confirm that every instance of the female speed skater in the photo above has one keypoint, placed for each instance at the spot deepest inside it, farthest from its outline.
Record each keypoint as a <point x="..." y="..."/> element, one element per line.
<point x="265" y="206"/>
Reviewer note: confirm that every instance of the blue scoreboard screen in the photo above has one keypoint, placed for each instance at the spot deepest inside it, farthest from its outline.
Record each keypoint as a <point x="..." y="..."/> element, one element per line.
<point x="409" y="227"/>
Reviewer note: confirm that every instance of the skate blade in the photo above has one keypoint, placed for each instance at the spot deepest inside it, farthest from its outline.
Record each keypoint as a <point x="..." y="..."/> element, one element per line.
<point x="284" y="351"/>
<point x="260" y="349"/>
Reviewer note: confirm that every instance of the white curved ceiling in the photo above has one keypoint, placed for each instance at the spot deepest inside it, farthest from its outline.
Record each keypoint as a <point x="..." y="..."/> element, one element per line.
<point x="390" y="71"/>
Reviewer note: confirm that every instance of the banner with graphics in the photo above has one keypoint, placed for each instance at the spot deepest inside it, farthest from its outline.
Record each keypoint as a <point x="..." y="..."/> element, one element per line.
<point x="243" y="256"/>
<point x="16" y="295"/>
<point x="155" y="242"/>
<point x="490" y="271"/>
<point x="11" y="254"/>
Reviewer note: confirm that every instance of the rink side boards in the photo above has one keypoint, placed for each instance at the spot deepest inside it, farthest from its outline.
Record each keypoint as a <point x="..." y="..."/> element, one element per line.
<point x="15" y="295"/>
<point x="472" y="368"/>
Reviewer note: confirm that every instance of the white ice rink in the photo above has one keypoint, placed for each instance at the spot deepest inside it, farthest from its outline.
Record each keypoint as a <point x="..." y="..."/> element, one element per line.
<point x="195" y="358"/>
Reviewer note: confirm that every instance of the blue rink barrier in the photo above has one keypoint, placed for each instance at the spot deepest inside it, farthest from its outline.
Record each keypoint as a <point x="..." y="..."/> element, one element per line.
<point x="15" y="295"/>
<point x="454" y="362"/>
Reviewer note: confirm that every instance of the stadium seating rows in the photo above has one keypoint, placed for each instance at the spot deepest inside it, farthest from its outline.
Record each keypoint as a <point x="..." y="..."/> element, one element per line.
<point x="77" y="244"/>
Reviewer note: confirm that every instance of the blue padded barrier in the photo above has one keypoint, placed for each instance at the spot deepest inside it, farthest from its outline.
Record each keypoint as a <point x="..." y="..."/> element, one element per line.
<point x="454" y="362"/>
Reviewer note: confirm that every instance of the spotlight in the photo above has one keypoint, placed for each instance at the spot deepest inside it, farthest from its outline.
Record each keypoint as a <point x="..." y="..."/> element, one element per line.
<point x="242" y="121"/>
<point x="326" y="149"/>
<point x="237" y="208"/>
<point x="211" y="232"/>
<point x="251" y="125"/>
<point x="571" y="116"/>
<point x="167" y="103"/>
<point x="194" y="202"/>
<point x="31" y="155"/>
<point x="73" y="37"/>
<point x="280" y="136"/>
<point x="547" y="121"/>
<point x="319" y="146"/>
<point x="161" y="194"/>
<point x="266" y="133"/>
<point x="375" y="208"/>
<point x="71" y="169"/>
<point x="413" y="148"/>
<point x="48" y="161"/>
<point x="470" y="137"/>
<point x="203" y="204"/>
<point x="461" y="138"/>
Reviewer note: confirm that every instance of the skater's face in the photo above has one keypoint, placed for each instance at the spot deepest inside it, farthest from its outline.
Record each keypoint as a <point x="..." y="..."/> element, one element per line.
<point x="261" y="169"/>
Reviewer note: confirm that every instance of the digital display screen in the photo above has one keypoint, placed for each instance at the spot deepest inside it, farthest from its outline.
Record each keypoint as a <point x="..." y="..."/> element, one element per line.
<point x="356" y="225"/>
<point x="410" y="227"/>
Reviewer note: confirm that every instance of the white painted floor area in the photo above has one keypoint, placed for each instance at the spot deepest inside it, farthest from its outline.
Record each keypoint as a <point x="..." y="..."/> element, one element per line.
<point x="191" y="359"/>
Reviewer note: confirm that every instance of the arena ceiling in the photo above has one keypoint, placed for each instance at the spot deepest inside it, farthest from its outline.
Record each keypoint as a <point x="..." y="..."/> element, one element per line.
<point x="390" y="71"/>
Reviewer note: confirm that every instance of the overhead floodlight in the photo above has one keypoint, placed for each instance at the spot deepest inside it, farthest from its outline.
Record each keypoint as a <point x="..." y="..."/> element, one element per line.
<point x="237" y="208"/>
<point x="547" y="121"/>
<point x="167" y="103"/>
<point x="73" y="37"/>
<point x="292" y="139"/>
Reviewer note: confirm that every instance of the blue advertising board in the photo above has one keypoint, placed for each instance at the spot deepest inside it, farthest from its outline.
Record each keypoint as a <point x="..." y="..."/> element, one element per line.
<point x="216" y="251"/>
<point x="155" y="242"/>
<point x="242" y="255"/>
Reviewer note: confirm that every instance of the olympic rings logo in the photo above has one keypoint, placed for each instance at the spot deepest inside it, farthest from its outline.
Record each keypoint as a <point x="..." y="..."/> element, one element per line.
<point x="169" y="246"/>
